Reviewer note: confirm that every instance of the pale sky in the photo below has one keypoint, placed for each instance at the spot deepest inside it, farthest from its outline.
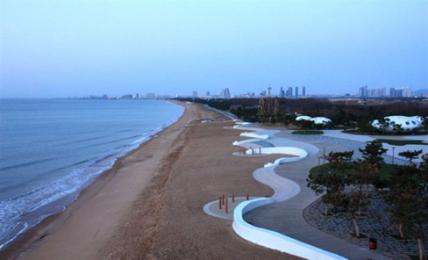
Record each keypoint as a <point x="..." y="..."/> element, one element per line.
<point x="62" y="48"/>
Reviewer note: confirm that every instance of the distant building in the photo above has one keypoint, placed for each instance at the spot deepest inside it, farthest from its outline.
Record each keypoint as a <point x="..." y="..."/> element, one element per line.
<point x="363" y="92"/>
<point x="395" y="93"/>
<point x="289" y="92"/>
<point x="269" y="91"/>
<point x="296" y="91"/>
<point x="195" y="94"/>
<point x="247" y="95"/>
<point x="208" y="94"/>
<point x="128" y="96"/>
<point x="381" y="92"/>
<point x="281" y="92"/>
<point x="407" y="92"/>
<point x="304" y="91"/>
<point x="225" y="93"/>
<point x="150" y="95"/>
<point x="263" y="93"/>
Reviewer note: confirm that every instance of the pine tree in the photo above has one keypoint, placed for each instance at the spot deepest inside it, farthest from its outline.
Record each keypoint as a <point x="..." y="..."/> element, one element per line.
<point x="373" y="153"/>
<point x="411" y="155"/>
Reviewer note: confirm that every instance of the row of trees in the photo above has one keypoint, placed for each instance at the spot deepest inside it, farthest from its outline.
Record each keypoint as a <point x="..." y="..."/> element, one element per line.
<point x="347" y="114"/>
<point x="347" y="187"/>
<point x="268" y="110"/>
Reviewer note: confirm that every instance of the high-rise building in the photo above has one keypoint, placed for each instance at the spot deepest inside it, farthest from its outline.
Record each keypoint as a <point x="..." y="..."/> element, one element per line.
<point x="296" y="91"/>
<point x="394" y="92"/>
<point x="208" y="94"/>
<point x="225" y="93"/>
<point x="381" y="92"/>
<point x="195" y="94"/>
<point x="281" y="92"/>
<point x="289" y="92"/>
<point x="269" y="90"/>
<point x="363" y="92"/>
<point x="407" y="92"/>
<point x="304" y="91"/>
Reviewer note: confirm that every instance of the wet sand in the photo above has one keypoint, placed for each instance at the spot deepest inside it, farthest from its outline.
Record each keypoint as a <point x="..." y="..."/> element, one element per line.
<point x="149" y="206"/>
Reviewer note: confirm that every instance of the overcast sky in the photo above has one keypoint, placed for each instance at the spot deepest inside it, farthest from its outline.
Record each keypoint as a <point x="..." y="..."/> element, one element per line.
<point x="62" y="48"/>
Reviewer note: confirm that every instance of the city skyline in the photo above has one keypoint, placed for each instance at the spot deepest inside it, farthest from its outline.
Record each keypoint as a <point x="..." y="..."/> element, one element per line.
<point x="177" y="47"/>
<point x="363" y="92"/>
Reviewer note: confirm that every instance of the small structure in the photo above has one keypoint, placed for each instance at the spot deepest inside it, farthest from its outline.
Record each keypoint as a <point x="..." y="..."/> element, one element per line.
<point x="398" y="123"/>
<point x="319" y="120"/>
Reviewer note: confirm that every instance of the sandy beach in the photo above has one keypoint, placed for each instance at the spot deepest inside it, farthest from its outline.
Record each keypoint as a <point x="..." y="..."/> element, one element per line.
<point x="149" y="206"/>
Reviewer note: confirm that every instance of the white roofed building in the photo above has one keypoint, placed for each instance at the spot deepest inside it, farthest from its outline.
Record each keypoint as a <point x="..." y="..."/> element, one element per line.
<point x="398" y="123"/>
<point x="319" y="120"/>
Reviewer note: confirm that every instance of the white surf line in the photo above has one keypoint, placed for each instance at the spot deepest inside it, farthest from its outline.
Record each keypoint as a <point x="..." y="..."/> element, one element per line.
<point x="284" y="189"/>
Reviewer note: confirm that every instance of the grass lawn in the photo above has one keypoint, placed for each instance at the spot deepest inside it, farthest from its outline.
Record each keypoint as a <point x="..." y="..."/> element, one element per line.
<point x="401" y="142"/>
<point x="385" y="172"/>
<point x="356" y="131"/>
<point x="307" y="132"/>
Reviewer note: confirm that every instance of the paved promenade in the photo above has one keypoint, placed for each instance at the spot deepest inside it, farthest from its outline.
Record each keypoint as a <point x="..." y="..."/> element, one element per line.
<point x="287" y="218"/>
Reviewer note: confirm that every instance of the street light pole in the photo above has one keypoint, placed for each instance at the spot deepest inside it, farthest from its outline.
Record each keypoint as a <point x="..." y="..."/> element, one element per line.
<point x="393" y="154"/>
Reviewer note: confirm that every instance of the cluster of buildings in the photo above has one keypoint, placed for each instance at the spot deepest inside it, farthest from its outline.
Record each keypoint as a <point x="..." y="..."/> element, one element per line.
<point x="150" y="95"/>
<point x="366" y="92"/>
<point x="290" y="92"/>
<point x="224" y="93"/>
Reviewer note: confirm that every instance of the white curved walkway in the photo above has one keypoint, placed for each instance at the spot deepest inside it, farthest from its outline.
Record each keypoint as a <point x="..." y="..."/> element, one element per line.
<point x="290" y="198"/>
<point x="284" y="189"/>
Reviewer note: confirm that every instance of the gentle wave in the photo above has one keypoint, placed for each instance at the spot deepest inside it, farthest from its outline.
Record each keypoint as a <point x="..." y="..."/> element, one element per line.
<point x="20" y="165"/>
<point x="83" y="140"/>
<point x="22" y="212"/>
<point x="111" y="141"/>
<point x="15" y="213"/>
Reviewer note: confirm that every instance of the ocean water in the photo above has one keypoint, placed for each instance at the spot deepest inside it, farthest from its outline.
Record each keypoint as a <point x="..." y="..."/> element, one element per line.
<point x="50" y="149"/>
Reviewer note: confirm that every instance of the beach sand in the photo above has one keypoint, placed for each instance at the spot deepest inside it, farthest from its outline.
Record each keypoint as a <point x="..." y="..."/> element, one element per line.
<point x="149" y="206"/>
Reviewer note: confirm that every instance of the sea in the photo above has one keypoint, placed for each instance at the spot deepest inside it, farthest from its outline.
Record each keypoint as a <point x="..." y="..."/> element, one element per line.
<point x="51" y="149"/>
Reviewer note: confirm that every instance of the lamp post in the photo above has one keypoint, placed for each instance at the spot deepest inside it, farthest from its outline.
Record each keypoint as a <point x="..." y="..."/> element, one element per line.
<point x="393" y="154"/>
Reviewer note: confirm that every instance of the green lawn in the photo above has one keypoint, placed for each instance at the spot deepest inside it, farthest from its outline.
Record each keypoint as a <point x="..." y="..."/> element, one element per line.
<point x="384" y="173"/>
<point x="401" y="142"/>
<point x="357" y="131"/>
<point x="307" y="132"/>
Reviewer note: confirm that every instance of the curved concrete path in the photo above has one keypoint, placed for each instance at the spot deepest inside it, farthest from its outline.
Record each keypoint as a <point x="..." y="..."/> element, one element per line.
<point x="290" y="206"/>
<point x="292" y="196"/>
<point x="283" y="189"/>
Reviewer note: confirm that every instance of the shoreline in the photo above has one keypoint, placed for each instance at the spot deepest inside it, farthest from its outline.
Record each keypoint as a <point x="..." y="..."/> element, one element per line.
<point x="26" y="238"/>
<point x="168" y="221"/>
<point x="150" y="206"/>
